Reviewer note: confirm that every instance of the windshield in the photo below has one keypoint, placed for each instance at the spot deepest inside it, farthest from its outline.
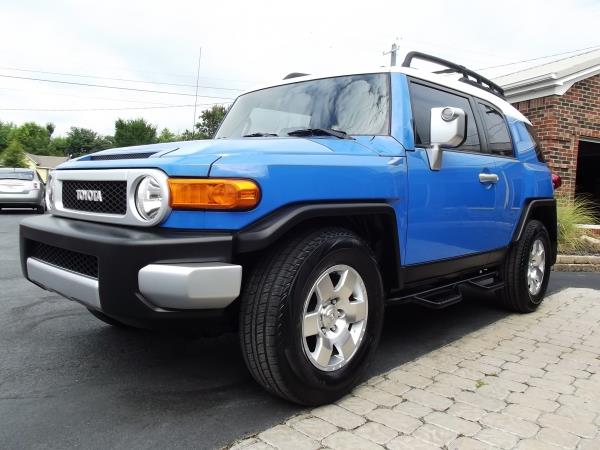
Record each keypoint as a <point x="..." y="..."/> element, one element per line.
<point x="356" y="105"/>
<point x="28" y="176"/>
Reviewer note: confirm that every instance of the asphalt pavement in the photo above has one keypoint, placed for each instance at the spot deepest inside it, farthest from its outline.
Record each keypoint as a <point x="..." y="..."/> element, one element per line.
<point x="69" y="381"/>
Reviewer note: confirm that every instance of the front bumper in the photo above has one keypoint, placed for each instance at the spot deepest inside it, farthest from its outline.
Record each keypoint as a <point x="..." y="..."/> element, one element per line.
<point x="131" y="274"/>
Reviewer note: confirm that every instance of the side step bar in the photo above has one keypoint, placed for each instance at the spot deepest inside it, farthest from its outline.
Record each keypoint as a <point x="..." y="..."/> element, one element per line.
<point x="438" y="298"/>
<point x="449" y="294"/>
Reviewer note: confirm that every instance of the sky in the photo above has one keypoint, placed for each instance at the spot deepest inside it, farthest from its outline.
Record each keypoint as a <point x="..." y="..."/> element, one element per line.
<point x="155" y="46"/>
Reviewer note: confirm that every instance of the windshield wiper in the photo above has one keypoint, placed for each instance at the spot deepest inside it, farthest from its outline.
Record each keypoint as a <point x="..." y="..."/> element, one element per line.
<point x="260" y="135"/>
<point x="320" y="132"/>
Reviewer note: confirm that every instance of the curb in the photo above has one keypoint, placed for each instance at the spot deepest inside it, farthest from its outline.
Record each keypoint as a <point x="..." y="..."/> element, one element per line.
<point x="577" y="263"/>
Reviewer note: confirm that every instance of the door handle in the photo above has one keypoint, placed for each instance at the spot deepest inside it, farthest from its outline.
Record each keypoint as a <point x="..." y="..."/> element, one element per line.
<point x="488" y="178"/>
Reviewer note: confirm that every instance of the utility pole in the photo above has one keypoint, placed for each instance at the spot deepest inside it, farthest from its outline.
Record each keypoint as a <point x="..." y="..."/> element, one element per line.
<point x="392" y="54"/>
<point x="196" y="98"/>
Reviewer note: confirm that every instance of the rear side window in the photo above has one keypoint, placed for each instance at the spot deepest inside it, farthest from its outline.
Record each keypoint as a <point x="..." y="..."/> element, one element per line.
<point x="499" y="142"/>
<point x="534" y="138"/>
<point x="424" y="98"/>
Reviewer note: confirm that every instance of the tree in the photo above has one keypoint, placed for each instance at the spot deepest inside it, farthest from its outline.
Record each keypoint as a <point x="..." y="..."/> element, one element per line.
<point x="6" y="131"/>
<point x="59" y="145"/>
<point x="187" y="135"/>
<point x="14" y="155"/>
<point x="134" y="132"/>
<point x="50" y="127"/>
<point x="210" y="119"/>
<point x="167" y="135"/>
<point x="81" y="141"/>
<point x="34" y="138"/>
<point x="105" y="142"/>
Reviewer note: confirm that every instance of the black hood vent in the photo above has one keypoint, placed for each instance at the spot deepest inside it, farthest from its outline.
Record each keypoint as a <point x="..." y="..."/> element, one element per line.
<point x="114" y="156"/>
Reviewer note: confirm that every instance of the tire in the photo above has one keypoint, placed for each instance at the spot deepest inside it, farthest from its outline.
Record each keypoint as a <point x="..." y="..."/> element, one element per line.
<point x="275" y="300"/>
<point x="106" y="319"/>
<point x="519" y="293"/>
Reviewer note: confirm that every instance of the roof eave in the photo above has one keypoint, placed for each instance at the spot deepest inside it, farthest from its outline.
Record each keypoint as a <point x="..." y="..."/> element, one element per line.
<point x="546" y="85"/>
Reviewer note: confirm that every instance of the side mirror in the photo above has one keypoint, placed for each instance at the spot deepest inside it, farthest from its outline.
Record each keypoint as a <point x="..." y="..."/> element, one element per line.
<point x="448" y="129"/>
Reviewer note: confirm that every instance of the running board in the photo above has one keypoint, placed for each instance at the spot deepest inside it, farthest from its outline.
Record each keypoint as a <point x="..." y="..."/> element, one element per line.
<point x="438" y="298"/>
<point x="450" y="294"/>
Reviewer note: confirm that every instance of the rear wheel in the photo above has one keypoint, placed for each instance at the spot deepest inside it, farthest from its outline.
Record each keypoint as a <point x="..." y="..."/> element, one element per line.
<point x="527" y="270"/>
<point x="311" y="316"/>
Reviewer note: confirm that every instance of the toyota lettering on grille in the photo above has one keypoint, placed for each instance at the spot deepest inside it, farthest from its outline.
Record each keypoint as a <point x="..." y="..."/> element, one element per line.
<point x="89" y="195"/>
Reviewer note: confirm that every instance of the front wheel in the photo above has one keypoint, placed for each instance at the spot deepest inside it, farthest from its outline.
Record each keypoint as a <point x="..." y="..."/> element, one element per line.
<point x="527" y="270"/>
<point x="311" y="316"/>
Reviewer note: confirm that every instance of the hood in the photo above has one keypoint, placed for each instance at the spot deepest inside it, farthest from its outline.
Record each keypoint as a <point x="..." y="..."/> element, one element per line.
<point x="194" y="158"/>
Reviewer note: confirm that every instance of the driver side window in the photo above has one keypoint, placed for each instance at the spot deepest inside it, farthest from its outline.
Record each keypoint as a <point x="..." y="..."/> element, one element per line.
<point x="423" y="98"/>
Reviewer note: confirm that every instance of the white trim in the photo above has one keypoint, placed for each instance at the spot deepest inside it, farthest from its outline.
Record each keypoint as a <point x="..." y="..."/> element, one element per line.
<point x="131" y="176"/>
<point x="546" y="85"/>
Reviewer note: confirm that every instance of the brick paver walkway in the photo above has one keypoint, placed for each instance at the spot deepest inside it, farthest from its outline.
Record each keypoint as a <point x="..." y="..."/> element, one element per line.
<point x="527" y="381"/>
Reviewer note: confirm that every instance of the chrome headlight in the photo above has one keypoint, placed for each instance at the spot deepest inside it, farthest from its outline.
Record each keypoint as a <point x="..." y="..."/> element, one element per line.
<point x="49" y="197"/>
<point x="149" y="197"/>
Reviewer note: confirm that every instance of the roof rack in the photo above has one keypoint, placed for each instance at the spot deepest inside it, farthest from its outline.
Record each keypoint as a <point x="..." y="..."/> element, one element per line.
<point x="468" y="76"/>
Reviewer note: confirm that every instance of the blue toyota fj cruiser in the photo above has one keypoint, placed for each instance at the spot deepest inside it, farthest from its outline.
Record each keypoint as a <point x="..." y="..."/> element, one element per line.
<point x="320" y="201"/>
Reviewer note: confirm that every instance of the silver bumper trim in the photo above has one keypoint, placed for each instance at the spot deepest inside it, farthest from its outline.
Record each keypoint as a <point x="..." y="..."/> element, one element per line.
<point x="191" y="286"/>
<point x="68" y="284"/>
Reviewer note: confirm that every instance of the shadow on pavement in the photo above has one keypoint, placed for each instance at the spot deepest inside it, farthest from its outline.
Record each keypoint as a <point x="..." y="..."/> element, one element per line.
<point x="67" y="380"/>
<point x="80" y="383"/>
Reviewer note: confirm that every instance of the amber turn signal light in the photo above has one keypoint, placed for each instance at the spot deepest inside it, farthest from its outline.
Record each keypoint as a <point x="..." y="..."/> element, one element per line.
<point x="212" y="193"/>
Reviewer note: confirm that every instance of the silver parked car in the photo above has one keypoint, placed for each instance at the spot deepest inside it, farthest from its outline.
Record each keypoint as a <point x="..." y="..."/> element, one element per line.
<point x="21" y="188"/>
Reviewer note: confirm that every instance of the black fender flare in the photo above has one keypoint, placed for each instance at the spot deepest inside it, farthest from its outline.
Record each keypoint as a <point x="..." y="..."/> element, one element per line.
<point x="268" y="230"/>
<point x="544" y="210"/>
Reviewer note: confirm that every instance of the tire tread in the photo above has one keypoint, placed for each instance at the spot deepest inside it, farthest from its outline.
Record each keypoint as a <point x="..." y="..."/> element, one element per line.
<point x="263" y="302"/>
<point x="511" y="296"/>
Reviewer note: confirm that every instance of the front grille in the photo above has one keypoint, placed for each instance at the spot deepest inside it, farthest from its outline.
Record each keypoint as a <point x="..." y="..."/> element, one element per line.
<point x="114" y="196"/>
<point x="65" y="259"/>
<point x="115" y="156"/>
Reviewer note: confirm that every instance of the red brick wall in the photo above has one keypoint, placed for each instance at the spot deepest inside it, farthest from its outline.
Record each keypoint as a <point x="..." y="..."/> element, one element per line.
<point x="561" y="121"/>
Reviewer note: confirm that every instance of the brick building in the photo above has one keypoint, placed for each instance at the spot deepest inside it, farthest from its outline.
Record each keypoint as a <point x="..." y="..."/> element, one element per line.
<point x="562" y="100"/>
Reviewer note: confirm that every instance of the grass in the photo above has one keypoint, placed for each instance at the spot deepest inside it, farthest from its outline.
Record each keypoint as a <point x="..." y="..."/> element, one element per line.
<point x="572" y="213"/>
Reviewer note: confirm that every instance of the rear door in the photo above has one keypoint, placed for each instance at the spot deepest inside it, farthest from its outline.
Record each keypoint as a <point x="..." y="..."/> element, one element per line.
<point x="511" y="173"/>
<point x="452" y="212"/>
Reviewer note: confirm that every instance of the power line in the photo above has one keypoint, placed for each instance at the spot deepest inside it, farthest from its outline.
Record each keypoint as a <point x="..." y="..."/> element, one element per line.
<point x="452" y="47"/>
<point x="538" y="58"/>
<point x="111" y="87"/>
<point x="118" y="79"/>
<point x="179" y="75"/>
<point x="107" y="109"/>
<point x="61" y="94"/>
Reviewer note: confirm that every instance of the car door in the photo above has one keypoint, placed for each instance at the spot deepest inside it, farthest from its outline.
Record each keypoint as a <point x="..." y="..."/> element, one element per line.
<point x="511" y="173"/>
<point x="451" y="212"/>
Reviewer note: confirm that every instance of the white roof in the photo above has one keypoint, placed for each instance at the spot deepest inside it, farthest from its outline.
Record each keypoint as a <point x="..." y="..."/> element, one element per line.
<point x="551" y="78"/>
<point x="443" y="80"/>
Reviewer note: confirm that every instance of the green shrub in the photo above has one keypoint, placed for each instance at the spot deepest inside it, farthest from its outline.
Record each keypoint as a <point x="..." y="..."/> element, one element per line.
<point x="581" y="211"/>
